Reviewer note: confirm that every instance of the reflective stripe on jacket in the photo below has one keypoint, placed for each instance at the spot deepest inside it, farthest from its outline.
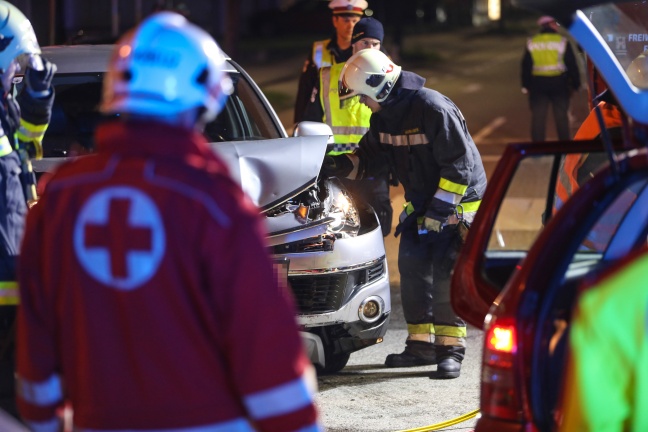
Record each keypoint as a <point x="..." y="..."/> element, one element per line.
<point x="548" y="53"/>
<point x="350" y="123"/>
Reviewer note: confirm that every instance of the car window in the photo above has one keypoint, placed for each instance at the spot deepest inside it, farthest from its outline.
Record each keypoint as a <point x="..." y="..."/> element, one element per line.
<point x="75" y="115"/>
<point x="521" y="215"/>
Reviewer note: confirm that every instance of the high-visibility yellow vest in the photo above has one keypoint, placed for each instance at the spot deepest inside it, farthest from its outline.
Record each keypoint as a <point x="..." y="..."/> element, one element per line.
<point x="350" y="123"/>
<point x="322" y="57"/>
<point x="8" y="293"/>
<point x="548" y="53"/>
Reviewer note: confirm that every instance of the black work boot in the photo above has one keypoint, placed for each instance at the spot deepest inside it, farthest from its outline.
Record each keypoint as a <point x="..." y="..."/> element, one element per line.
<point x="416" y="354"/>
<point x="450" y="358"/>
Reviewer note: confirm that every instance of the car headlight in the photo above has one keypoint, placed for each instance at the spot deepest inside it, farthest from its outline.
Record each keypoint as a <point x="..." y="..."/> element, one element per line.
<point x="346" y="220"/>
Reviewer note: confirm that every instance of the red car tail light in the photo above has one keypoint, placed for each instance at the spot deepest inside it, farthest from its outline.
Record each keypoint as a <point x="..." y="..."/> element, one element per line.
<point x="500" y="396"/>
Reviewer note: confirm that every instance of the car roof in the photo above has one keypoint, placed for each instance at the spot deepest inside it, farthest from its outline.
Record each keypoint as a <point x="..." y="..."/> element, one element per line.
<point x="86" y="58"/>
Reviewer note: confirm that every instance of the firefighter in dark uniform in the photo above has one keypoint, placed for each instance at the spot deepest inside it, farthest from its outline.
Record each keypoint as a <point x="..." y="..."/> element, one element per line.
<point x="422" y="136"/>
<point x="23" y="121"/>
<point x="337" y="49"/>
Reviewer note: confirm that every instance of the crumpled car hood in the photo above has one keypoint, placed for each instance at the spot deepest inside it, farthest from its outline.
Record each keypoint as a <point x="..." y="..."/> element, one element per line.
<point x="273" y="171"/>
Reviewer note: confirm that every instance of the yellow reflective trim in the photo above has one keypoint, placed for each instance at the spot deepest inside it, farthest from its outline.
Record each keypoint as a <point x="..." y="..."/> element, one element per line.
<point x="409" y="208"/>
<point x="337" y="153"/>
<point x="5" y="146"/>
<point x="34" y="128"/>
<point x="420" y="328"/>
<point x="470" y="207"/>
<point x="455" y="188"/>
<point x="457" y="332"/>
<point x="9" y="293"/>
<point x="9" y="300"/>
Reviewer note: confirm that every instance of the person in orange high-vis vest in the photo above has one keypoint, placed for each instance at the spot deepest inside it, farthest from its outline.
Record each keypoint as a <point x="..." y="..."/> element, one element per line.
<point x="574" y="169"/>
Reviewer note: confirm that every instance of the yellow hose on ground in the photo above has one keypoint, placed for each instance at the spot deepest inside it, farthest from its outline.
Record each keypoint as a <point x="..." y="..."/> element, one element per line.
<point x="445" y="424"/>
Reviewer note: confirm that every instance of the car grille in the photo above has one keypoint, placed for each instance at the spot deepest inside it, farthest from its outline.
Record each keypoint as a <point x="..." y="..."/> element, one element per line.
<point x="321" y="293"/>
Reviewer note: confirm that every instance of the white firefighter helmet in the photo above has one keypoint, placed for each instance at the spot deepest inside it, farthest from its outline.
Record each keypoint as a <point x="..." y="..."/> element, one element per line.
<point x="370" y="73"/>
<point x="164" y="67"/>
<point x="17" y="38"/>
<point x="637" y="71"/>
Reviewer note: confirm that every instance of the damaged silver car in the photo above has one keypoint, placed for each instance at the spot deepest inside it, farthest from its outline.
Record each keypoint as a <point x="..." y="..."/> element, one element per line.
<point x="329" y="247"/>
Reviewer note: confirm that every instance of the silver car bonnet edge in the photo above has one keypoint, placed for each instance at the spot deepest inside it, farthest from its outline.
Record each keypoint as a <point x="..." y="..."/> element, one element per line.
<point x="273" y="171"/>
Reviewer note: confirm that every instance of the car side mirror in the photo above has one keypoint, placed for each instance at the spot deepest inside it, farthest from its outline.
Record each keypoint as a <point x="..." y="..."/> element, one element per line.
<point x="309" y="128"/>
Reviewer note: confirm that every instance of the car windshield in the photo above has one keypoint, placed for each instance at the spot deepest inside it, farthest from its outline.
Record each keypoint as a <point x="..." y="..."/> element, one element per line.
<point x="75" y="115"/>
<point x="623" y="26"/>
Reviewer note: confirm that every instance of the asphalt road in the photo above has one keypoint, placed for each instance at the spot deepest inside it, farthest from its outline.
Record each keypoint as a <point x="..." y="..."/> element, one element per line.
<point x="479" y="71"/>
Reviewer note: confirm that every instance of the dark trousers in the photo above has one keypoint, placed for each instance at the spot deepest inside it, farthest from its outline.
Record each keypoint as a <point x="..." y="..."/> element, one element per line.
<point x="539" y="101"/>
<point x="425" y="270"/>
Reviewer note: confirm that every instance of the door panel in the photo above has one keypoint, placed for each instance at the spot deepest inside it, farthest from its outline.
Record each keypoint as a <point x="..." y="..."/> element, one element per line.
<point x="518" y="202"/>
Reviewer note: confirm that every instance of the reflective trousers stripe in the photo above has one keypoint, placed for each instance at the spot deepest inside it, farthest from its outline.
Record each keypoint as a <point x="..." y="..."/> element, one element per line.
<point x="420" y="328"/>
<point x="439" y="330"/>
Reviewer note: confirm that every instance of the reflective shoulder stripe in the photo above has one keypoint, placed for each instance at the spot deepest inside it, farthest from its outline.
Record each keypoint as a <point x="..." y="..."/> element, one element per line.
<point x="9" y="293"/>
<point x="279" y="400"/>
<point x="455" y="188"/>
<point x="236" y="425"/>
<point x="43" y="393"/>
<point x="403" y="140"/>
<point x="457" y="332"/>
<point x="53" y="425"/>
<point x="5" y="146"/>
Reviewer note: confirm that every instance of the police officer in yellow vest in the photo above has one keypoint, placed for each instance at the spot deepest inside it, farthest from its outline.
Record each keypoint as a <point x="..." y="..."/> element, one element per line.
<point x="549" y="75"/>
<point x="351" y="121"/>
<point x="337" y="49"/>
<point x="23" y="120"/>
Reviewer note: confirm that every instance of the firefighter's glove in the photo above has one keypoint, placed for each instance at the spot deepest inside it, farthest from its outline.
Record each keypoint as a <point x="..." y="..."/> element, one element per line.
<point x="436" y="217"/>
<point x="337" y="166"/>
<point x="39" y="82"/>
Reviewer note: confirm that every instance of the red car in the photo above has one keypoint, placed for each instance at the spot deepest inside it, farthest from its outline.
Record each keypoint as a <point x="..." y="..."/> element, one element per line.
<point x="524" y="263"/>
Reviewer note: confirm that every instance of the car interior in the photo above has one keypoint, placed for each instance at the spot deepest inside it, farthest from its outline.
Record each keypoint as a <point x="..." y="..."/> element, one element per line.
<point x="616" y="227"/>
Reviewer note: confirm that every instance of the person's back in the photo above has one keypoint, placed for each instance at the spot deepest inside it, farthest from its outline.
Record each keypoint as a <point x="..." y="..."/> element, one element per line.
<point x="162" y="310"/>
<point x="549" y="73"/>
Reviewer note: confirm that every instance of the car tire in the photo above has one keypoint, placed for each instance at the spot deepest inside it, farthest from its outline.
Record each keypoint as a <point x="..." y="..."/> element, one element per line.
<point x="334" y="363"/>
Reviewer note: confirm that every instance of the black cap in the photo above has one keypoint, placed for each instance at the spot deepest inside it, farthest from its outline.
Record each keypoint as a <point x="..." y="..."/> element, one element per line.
<point x="367" y="27"/>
